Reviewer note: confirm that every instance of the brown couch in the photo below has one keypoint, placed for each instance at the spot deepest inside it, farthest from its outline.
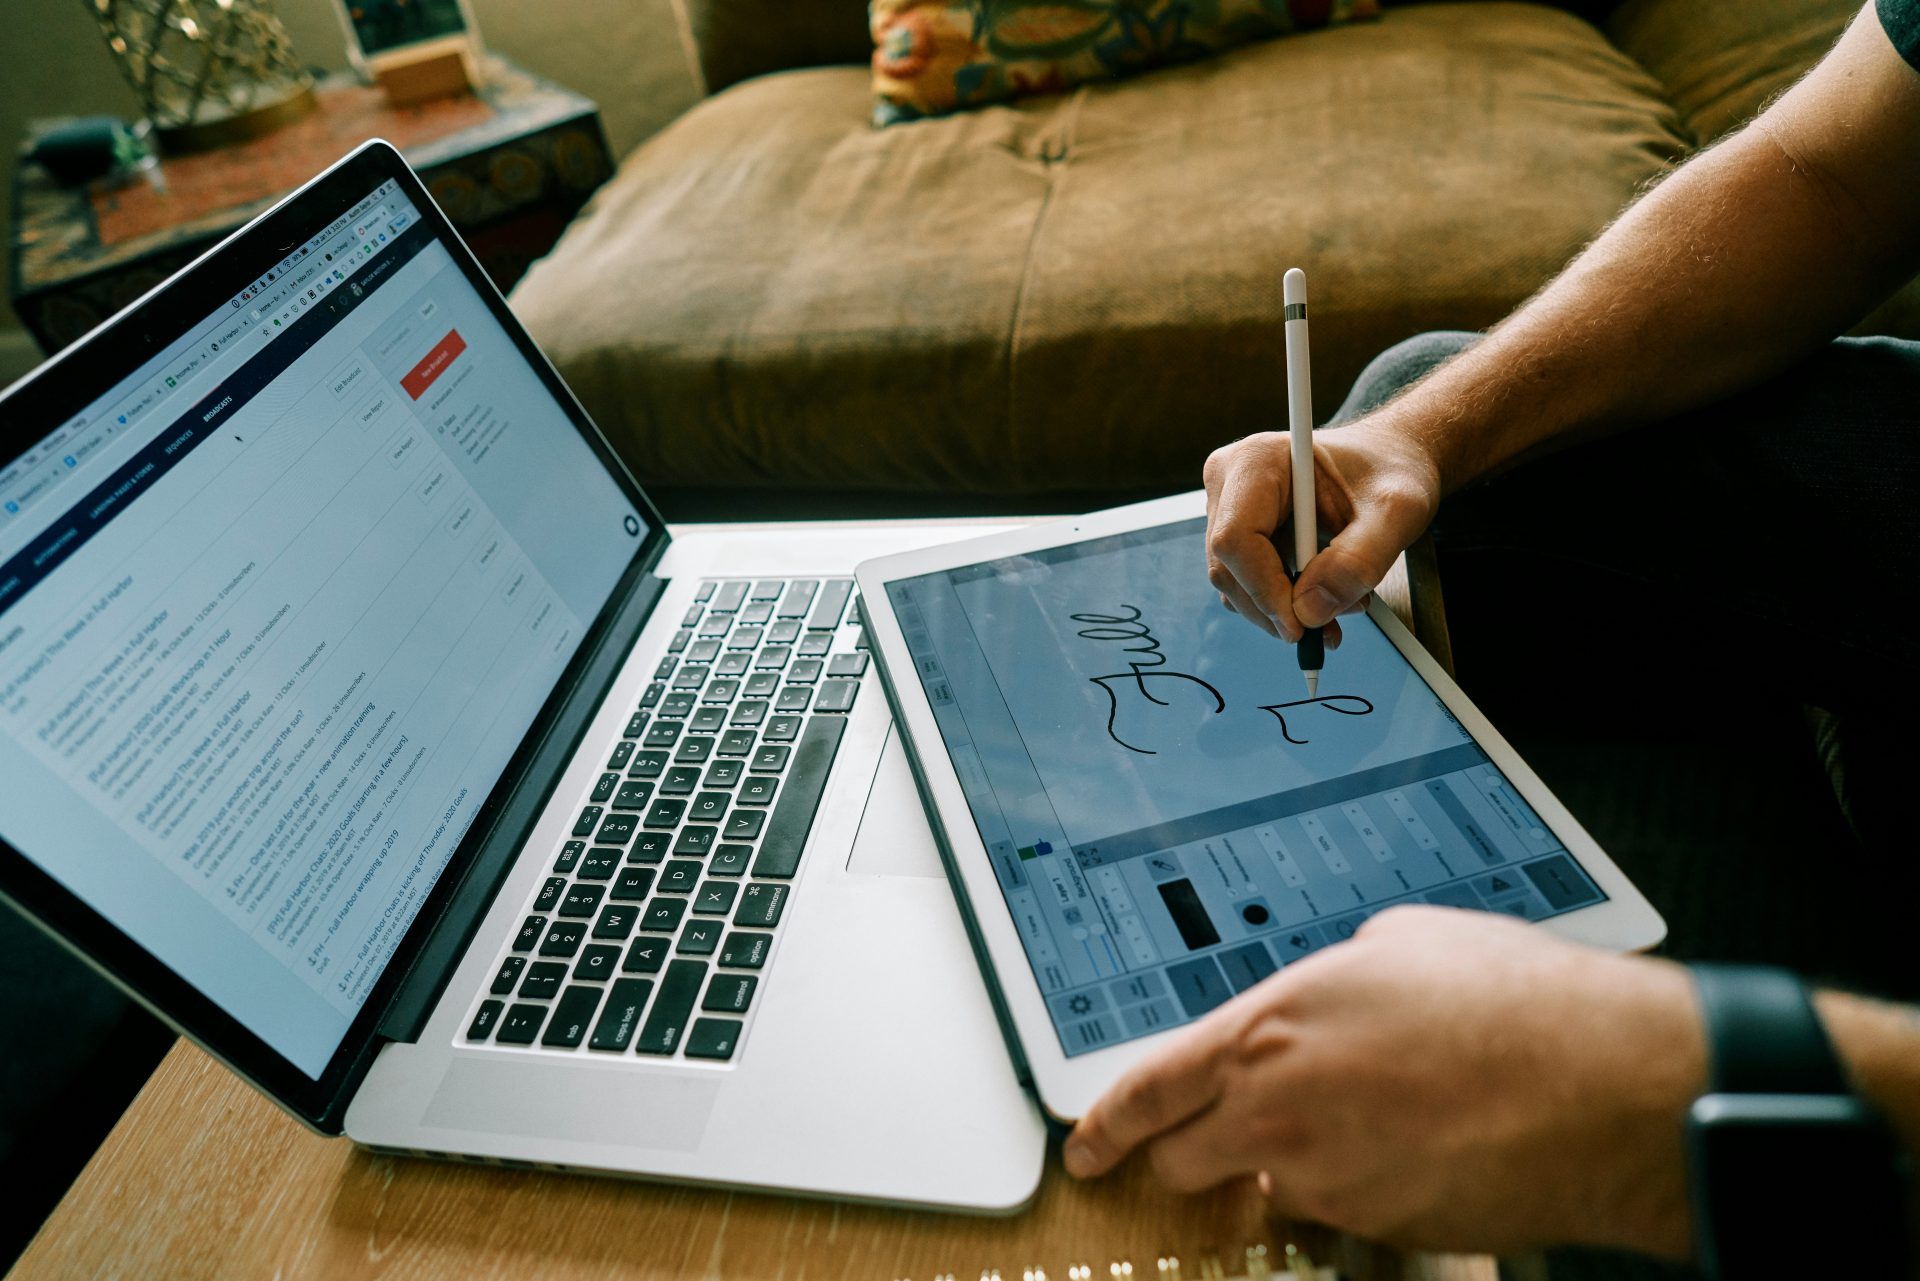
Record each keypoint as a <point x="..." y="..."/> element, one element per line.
<point x="1081" y="292"/>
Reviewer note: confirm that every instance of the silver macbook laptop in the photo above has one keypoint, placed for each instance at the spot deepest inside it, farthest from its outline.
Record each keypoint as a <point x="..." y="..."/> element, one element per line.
<point x="359" y="716"/>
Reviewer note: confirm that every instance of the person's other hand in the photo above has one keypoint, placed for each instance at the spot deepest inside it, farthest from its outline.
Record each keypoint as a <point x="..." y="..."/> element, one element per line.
<point x="1376" y="490"/>
<point x="1445" y="1080"/>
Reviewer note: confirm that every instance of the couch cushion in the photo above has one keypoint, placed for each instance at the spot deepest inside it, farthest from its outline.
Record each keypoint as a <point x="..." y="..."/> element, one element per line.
<point x="737" y="39"/>
<point x="1080" y="292"/>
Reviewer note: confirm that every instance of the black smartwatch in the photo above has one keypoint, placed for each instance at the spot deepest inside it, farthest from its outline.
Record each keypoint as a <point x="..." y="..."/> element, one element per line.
<point x="1784" y="1160"/>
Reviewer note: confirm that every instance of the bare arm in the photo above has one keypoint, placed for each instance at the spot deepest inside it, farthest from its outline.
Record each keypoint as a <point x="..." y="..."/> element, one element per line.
<point x="1745" y="259"/>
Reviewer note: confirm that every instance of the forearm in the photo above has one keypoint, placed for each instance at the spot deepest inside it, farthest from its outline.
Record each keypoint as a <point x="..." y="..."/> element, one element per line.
<point x="1881" y="1045"/>
<point x="1742" y="261"/>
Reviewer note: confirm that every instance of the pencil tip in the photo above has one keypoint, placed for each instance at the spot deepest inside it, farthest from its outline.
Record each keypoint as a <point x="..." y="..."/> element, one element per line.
<point x="1313" y="684"/>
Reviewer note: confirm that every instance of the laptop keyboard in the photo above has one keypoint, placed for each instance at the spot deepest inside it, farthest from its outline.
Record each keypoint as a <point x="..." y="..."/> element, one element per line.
<point x="652" y="931"/>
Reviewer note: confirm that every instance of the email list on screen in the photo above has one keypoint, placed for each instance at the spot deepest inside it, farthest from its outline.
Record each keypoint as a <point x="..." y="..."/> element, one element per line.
<point x="265" y="650"/>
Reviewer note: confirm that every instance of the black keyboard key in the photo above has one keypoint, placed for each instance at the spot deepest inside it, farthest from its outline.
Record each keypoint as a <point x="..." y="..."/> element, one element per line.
<point x="708" y="720"/>
<point x="847" y="665"/>
<point x="677" y="705"/>
<point x="783" y="631"/>
<point x="733" y="663"/>
<point x="814" y="645"/>
<point x="597" y="962"/>
<point x="601" y="862"/>
<point x="727" y="994"/>
<point x="603" y="789"/>
<point x="650" y="847"/>
<point x="715" y="898"/>
<point x="543" y="981"/>
<point x="759" y="789"/>
<point x="761" y="904"/>
<point x="633" y="795"/>
<point x="805" y="671"/>
<point x="705" y="591"/>
<point x="728" y="598"/>
<point x="617" y="829"/>
<point x="647" y="764"/>
<point x="709" y="807"/>
<point x="509" y="975"/>
<point x="723" y="774"/>
<point x="745" y="950"/>
<point x="793" y="813"/>
<point x="572" y="1017"/>
<point x="569" y="856"/>
<point x="652" y="695"/>
<point x="695" y="841"/>
<point x="666" y="813"/>
<point x="582" y="899"/>
<point x="783" y="728"/>
<point x="700" y="938"/>
<point x="704" y="651"/>
<point x="681" y="780"/>
<point x="713" y="1039"/>
<point x="637" y="724"/>
<point x="720" y="690"/>
<point x="665" y="733"/>
<point x="589" y="819"/>
<point x="768" y="589"/>
<point x="622" y="753"/>
<point x="530" y="931"/>
<point x="830" y="604"/>
<point x="663" y="915"/>
<point x="744" y="638"/>
<point x="860" y="639"/>
<point x="679" y="877"/>
<point x="761" y="685"/>
<point x="744" y="825"/>
<point x="645" y="956"/>
<point x="563" y="938"/>
<point x="691" y="677"/>
<point x="772" y="658"/>
<point x="666" y="667"/>
<point x="680" y="638"/>
<point x="716" y="625"/>
<point x="729" y="860"/>
<point x="756" y="611"/>
<point x="550" y="894"/>
<point x="837" y="696"/>
<point x="632" y="884"/>
<point x="484" y="1019"/>
<point x="692" y="617"/>
<point x="798" y="599"/>
<point x="521" y="1025"/>
<point x="771" y="758"/>
<point x="616" y="922"/>
<point x="679" y="989"/>
<point x="749" y="714"/>
<point x="621" y="1016"/>
<point x="694" y="751"/>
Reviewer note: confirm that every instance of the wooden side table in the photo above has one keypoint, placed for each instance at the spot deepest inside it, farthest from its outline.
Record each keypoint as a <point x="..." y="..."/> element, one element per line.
<point x="511" y="166"/>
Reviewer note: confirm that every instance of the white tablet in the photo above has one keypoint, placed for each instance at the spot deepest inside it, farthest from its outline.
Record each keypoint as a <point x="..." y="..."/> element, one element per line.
<point x="1143" y="812"/>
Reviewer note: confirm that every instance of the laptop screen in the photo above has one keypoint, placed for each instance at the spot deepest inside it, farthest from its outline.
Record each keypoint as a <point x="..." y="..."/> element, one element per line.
<point x="277" y="610"/>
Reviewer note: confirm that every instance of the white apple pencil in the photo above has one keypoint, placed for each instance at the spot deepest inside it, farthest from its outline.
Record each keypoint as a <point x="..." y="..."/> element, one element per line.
<point x="1306" y="533"/>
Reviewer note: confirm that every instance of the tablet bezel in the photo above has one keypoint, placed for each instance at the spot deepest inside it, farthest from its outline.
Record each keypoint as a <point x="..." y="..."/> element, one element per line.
<point x="1067" y="1086"/>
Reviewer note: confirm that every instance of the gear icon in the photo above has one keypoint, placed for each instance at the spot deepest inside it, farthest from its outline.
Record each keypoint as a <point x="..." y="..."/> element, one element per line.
<point x="1080" y="1004"/>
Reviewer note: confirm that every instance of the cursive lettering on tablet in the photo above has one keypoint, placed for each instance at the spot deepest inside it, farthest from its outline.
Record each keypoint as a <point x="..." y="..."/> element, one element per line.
<point x="1146" y="664"/>
<point x="1345" y="704"/>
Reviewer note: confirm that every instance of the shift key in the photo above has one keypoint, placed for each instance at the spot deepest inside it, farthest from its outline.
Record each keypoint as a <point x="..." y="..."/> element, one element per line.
<point x="672" y="1008"/>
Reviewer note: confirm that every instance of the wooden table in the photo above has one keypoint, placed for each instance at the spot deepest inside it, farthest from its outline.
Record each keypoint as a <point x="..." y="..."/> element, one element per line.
<point x="205" y="1178"/>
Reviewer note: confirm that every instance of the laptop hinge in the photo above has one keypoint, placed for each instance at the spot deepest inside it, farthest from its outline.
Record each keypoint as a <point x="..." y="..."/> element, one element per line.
<point x="447" y="940"/>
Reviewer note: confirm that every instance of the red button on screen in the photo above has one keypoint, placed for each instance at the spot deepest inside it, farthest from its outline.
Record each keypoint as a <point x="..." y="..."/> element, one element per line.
<point x="437" y="360"/>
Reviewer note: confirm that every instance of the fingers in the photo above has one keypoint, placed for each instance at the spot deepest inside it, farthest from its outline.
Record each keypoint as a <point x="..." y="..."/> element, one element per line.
<point x="1179" y="1082"/>
<point x="1339" y="578"/>
<point x="1247" y="499"/>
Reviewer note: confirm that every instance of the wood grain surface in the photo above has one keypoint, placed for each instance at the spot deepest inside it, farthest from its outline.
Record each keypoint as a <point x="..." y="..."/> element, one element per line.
<point x="205" y="1178"/>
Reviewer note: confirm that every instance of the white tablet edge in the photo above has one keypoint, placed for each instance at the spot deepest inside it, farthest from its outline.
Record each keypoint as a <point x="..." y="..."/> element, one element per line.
<point x="1066" y="1087"/>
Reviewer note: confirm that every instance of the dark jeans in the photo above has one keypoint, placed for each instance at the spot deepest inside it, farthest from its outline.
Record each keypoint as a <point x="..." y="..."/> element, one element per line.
<point x="1774" y="536"/>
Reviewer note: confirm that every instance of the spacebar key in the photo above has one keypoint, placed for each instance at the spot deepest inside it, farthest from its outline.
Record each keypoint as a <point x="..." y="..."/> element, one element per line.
<point x="799" y="797"/>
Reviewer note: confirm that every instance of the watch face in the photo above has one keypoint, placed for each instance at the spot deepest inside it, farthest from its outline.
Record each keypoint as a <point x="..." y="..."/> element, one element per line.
<point x="1764" y="1167"/>
<point x="387" y="24"/>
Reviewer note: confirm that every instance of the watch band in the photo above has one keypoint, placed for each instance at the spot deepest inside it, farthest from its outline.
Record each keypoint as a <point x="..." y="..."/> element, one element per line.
<point x="1763" y="1036"/>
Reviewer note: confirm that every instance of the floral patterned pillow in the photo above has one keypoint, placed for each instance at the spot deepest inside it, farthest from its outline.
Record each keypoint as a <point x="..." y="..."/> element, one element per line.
<point x="935" y="56"/>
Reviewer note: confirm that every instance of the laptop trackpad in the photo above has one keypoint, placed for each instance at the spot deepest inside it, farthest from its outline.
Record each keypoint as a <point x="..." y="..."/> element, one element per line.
<point x="894" y="839"/>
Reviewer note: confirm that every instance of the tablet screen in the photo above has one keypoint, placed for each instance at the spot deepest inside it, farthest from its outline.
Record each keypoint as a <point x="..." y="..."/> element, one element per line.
<point x="1170" y="816"/>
